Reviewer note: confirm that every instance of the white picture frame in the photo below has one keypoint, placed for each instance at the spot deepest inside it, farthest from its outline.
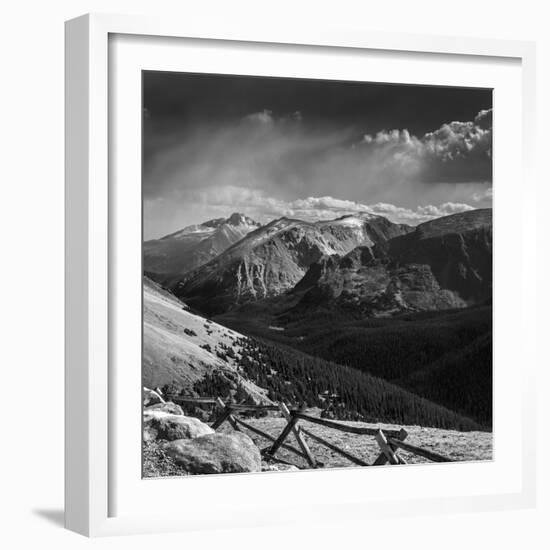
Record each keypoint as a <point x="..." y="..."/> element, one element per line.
<point x="93" y="399"/>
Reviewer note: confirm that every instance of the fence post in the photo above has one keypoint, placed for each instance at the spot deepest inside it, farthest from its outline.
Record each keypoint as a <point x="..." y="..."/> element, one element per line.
<point x="284" y="434"/>
<point x="229" y="417"/>
<point x="298" y="435"/>
<point x="224" y="415"/>
<point x="382" y="458"/>
<point x="385" y="447"/>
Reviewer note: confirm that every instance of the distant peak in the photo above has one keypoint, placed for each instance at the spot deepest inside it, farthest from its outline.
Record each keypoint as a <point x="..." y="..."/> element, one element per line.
<point x="214" y="223"/>
<point x="236" y="218"/>
<point x="240" y="219"/>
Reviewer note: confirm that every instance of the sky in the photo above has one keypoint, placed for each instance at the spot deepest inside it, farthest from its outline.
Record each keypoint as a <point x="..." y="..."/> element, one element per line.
<point x="310" y="149"/>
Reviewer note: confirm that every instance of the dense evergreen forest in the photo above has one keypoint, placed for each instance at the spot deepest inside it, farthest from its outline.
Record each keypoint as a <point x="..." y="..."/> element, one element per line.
<point x="347" y="394"/>
<point x="444" y="356"/>
<point x="462" y="379"/>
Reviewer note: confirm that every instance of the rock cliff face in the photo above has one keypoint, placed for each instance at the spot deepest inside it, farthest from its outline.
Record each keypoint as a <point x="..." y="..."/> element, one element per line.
<point x="195" y="245"/>
<point x="274" y="258"/>
<point x="442" y="264"/>
<point x="458" y="249"/>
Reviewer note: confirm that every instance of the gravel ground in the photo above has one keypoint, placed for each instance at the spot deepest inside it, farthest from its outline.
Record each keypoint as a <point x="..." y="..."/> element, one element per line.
<point x="459" y="446"/>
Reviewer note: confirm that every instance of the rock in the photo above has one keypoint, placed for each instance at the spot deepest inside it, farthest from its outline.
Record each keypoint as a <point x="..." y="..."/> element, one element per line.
<point x="167" y="407"/>
<point x="216" y="454"/>
<point x="149" y="433"/>
<point x="150" y="414"/>
<point x="174" y="426"/>
<point x="151" y="397"/>
<point x="202" y="414"/>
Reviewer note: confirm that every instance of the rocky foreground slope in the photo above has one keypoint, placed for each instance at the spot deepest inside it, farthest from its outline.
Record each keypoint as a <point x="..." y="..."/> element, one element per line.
<point x="177" y="445"/>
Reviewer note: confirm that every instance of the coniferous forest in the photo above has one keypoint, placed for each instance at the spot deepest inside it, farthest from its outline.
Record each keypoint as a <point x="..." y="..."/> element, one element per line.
<point x="444" y="357"/>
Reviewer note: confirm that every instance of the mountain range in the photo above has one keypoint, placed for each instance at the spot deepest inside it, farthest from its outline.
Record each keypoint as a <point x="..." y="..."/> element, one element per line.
<point x="274" y="258"/>
<point x="360" y="260"/>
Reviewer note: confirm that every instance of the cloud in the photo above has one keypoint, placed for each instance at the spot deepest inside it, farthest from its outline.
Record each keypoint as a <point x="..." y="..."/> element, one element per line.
<point x="266" y="163"/>
<point x="264" y="208"/>
<point x="262" y="117"/>
<point x="485" y="195"/>
<point x="455" y="151"/>
<point x="484" y="119"/>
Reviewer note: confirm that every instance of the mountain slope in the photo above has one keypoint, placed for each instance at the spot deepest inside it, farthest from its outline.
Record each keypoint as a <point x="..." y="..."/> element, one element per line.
<point x="195" y="245"/>
<point x="275" y="257"/>
<point x="444" y="356"/>
<point x="442" y="264"/>
<point x="181" y="348"/>
<point x="461" y="380"/>
<point x="458" y="249"/>
<point x="297" y="378"/>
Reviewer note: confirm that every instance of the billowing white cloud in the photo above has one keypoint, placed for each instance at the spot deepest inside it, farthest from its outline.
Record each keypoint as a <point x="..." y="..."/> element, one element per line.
<point x="484" y="195"/>
<point x="453" y="141"/>
<point x="262" y="117"/>
<point x="484" y="119"/>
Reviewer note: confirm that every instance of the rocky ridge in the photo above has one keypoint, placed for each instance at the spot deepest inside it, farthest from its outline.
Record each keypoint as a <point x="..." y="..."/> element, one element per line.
<point x="275" y="257"/>
<point x="442" y="264"/>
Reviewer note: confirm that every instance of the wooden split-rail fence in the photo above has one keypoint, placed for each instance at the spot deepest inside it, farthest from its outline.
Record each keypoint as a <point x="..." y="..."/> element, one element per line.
<point x="390" y="442"/>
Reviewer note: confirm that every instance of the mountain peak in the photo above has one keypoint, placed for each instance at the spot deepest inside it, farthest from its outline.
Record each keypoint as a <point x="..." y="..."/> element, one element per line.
<point x="195" y="245"/>
<point x="240" y="219"/>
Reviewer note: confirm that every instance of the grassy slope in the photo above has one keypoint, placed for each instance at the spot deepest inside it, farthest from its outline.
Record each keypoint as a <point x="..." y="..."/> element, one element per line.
<point x="172" y="355"/>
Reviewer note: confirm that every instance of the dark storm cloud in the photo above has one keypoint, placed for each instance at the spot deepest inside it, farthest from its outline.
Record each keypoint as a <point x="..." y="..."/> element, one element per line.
<point x="185" y="97"/>
<point x="272" y="147"/>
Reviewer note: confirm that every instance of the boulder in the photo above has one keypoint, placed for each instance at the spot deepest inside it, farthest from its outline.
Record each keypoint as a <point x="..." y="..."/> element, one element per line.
<point x="149" y="433"/>
<point x="174" y="426"/>
<point x="216" y="454"/>
<point x="151" y="397"/>
<point x="167" y="407"/>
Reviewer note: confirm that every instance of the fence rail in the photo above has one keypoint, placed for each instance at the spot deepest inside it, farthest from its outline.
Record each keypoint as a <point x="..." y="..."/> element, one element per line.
<point x="390" y="442"/>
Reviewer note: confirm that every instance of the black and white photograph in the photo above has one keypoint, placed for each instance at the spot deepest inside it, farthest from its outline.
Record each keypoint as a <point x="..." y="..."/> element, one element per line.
<point x="317" y="274"/>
